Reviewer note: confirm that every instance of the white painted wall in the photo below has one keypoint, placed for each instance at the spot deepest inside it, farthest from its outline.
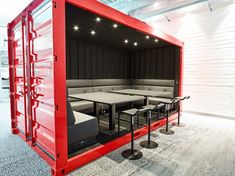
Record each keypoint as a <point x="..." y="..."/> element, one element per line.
<point x="209" y="59"/>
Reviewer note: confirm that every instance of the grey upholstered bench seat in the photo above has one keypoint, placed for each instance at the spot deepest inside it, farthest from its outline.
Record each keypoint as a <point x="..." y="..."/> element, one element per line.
<point x="84" y="128"/>
<point x="80" y="86"/>
<point x="82" y="105"/>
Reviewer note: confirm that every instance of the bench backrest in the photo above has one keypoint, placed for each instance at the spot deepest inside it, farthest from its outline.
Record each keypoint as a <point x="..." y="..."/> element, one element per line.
<point x="105" y="85"/>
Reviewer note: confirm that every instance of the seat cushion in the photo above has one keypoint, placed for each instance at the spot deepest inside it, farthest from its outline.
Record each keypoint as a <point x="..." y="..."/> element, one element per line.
<point x="85" y="127"/>
<point x="82" y="105"/>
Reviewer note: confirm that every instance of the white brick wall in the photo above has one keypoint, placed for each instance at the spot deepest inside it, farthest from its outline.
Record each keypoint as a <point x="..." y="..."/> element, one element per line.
<point x="209" y="59"/>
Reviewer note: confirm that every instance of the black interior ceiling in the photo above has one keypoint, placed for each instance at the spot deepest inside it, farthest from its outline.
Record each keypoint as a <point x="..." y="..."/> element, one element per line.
<point x="106" y="56"/>
<point x="106" y="34"/>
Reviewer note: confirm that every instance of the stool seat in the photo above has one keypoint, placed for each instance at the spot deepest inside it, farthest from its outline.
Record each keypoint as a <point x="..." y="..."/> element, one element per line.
<point x="149" y="107"/>
<point x="182" y="98"/>
<point x="130" y="112"/>
<point x="133" y="111"/>
<point x="152" y="107"/>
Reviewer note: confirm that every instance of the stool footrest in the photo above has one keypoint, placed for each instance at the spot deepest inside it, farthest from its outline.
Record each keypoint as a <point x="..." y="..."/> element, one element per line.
<point x="148" y="144"/>
<point x="164" y="131"/>
<point x="178" y="125"/>
<point x="132" y="154"/>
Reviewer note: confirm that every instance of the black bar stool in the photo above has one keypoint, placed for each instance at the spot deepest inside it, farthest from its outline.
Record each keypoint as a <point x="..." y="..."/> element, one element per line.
<point x="148" y="143"/>
<point x="131" y="154"/>
<point x="178" y="123"/>
<point x="168" y="103"/>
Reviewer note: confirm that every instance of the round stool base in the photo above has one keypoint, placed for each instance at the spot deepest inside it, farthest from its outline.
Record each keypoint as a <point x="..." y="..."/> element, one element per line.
<point x="132" y="156"/>
<point x="178" y="125"/>
<point x="151" y="145"/>
<point x="169" y="132"/>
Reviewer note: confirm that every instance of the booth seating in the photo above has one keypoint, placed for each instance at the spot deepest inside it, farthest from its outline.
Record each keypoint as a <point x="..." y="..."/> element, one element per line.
<point x="82" y="128"/>
<point x="77" y="86"/>
<point x="155" y="85"/>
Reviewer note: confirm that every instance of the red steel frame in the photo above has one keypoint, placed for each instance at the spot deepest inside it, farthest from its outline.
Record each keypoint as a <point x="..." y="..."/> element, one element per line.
<point x="62" y="164"/>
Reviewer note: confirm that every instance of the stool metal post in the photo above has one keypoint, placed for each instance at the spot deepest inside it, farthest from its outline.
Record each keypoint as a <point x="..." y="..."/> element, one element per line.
<point x="179" y="113"/>
<point x="149" y="144"/>
<point x="132" y="134"/>
<point x="167" y="131"/>
<point x="178" y="123"/>
<point x="118" y="123"/>
<point x="132" y="154"/>
<point x="149" y="123"/>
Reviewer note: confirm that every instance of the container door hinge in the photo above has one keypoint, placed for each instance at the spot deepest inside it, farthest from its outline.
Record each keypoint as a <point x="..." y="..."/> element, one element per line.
<point x="10" y="39"/>
<point x="54" y="4"/>
<point x="55" y="58"/>
<point x="56" y="107"/>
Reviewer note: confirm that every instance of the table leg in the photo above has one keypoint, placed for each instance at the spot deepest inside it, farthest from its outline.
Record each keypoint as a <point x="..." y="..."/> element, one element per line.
<point x="146" y="101"/>
<point x="112" y="116"/>
<point x="96" y="111"/>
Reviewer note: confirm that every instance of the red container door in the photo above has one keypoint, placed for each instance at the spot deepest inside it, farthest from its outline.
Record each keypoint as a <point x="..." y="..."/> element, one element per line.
<point x="33" y="76"/>
<point x="19" y="83"/>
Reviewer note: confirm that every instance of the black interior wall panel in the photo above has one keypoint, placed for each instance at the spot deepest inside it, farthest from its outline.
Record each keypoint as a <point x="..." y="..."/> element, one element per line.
<point x="147" y="66"/>
<point x="74" y="65"/>
<point x="81" y="62"/>
<point x="68" y="70"/>
<point x="160" y="55"/>
<point x="92" y="61"/>
<point x="151" y="66"/>
<point x="177" y="69"/>
<point x="99" y="62"/>
<point x="94" y="65"/>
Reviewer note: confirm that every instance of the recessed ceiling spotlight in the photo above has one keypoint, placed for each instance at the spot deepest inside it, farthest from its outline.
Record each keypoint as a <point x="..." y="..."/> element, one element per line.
<point x="98" y="19"/>
<point x="135" y="43"/>
<point x="126" y="41"/>
<point x="147" y="37"/>
<point x="75" y="28"/>
<point x="156" y="40"/>
<point x="93" y="32"/>
<point x="115" y="25"/>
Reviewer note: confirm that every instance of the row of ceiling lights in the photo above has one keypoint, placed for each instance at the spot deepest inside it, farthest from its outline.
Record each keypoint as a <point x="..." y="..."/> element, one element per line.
<point x="115" y="25"/>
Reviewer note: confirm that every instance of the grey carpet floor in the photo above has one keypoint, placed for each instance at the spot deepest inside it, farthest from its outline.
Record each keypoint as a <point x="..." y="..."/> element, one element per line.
<point x="16" y="157"/>
<point x="205" y="147"/>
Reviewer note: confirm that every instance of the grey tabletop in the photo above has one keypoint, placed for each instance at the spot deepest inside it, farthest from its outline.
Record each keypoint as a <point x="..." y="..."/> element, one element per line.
<point x="147" y="93"/>
<point x="107" y="98"/>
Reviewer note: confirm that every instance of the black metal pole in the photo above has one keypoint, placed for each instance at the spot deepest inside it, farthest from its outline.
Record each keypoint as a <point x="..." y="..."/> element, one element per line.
<point x="167" y="114"/>
<point x="118" y="123"/>
<point x="179" y="113"/>
<point x="158" y="113"/>
<point x="132" y="135"/>
<point x="149" y="117"/>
